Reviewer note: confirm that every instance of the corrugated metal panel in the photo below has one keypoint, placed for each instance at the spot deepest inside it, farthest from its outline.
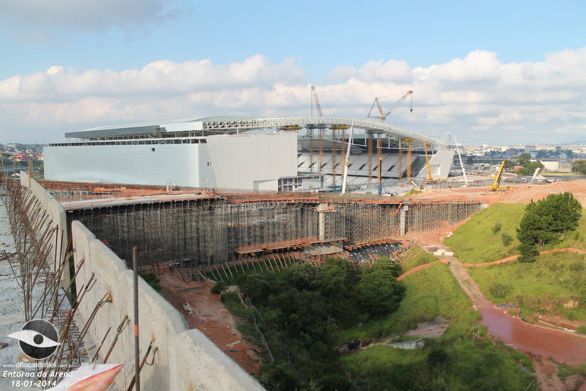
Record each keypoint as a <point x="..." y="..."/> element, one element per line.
<point x="155" y="164"/>
<point x="240" y="161"/>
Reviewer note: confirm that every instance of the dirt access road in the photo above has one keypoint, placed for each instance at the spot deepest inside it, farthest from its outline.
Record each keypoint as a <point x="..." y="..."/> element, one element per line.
<point x="542" y="344"/>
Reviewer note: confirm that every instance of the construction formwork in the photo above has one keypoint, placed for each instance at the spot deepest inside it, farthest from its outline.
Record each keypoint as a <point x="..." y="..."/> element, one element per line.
<point x="425" y="217"/>
<point x="202" y="232"/>
<point x="211" y="231"/>
<point x="360" y="222"/>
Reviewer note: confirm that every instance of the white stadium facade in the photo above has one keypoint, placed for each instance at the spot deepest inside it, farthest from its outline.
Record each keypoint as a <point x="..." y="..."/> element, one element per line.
<point x="257" y="154"/>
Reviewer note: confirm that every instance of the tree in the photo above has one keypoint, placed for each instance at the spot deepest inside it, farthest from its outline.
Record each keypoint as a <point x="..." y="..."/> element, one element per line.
<point x="546" y="221"/>
<point x="579" y="166"/>
<point x="523" y="158"/>
<point x="529" y="168"/>
<point x="299" y="311"/>
<point x="378" y="290"/>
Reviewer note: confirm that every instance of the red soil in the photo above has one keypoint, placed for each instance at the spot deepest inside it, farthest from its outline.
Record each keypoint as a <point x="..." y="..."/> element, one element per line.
<point x="513" y="258"/>
<point x="521" y="193"/>
<point x="210" y="317"/>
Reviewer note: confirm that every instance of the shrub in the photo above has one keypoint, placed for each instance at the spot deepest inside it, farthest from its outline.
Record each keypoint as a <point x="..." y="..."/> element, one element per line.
<point x="437" y="357"/>
<point x="528" y="252"/>
<point x="152" y="280"/>
<point x="499" y="290"/>
<point x="496" y="228"/>
<point x="579" y="166"/>
<point x="218" y="287"/>
<point x="378" y="292"/>
<point x="507" y="239"/>
<point x="546" y="221"/>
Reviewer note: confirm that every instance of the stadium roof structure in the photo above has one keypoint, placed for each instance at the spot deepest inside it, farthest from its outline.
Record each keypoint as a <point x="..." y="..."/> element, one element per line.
<point x="229" y="124"/>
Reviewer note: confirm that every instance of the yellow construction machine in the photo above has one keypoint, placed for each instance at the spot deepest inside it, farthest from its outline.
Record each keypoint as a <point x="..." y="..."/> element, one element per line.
<point x="496" y="184"/>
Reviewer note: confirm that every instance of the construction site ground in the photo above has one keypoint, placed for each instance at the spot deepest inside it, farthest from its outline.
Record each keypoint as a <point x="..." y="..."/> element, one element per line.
<point x="204" y="311"/>
<point x="522" y="193"/>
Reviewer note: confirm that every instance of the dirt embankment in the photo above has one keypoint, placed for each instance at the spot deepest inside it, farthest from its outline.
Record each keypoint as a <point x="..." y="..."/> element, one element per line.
<point x="513" y="258"/>
<point x="420" y="267"/>
<point x="204" y="310"/>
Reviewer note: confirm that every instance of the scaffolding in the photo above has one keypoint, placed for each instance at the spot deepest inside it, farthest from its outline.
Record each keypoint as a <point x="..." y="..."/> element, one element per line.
<point x="205" y="232"/>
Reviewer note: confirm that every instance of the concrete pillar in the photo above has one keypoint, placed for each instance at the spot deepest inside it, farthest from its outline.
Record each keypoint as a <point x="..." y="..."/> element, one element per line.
<point x="403" y="220"/>
<point x="322" y="225"/>
<point x="322" y="209"/>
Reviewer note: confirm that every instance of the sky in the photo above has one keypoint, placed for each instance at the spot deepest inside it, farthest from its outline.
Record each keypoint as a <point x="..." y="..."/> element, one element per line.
<point x="489" y="72"/>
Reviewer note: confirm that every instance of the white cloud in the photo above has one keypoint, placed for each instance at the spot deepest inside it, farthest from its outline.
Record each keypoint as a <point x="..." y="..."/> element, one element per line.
<point x="163" y="78"/>
<point x="84" y="14"/>
<point x="376" y="71"/>
<point x="477" y="97"/>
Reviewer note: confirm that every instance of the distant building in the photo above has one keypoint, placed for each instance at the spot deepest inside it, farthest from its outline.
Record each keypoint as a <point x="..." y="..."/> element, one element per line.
<point x="20" y="157"/>
<point x="556" y="165"/>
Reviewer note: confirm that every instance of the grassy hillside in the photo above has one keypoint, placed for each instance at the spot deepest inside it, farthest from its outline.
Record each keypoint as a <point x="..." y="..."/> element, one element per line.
<point x="476" y="241"/>
<point x="430" y="292"/>
<point x="416" y="256"/>
<point x="481" y="239"/>
<point x="464" y="358"/>
<point x="543" y="286"/>
<point x="576" y="238"/>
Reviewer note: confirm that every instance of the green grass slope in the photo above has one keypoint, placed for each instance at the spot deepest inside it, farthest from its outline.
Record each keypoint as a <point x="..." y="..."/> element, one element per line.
<point x="475" y="241"/>
<point x="416" y="257"/>
<point x="543" y="286"/>
<point x="462" y="359"/>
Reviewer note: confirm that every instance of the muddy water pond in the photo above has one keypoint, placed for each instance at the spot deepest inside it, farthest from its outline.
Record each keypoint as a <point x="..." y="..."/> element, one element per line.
<point x="563" y="347"/>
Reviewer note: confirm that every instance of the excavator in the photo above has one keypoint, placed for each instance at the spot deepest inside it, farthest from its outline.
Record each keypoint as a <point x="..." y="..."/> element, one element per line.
<point x="496" y="184"/>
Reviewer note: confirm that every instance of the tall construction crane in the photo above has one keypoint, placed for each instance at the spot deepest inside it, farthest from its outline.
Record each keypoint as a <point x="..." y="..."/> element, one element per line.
<point x="315" y="102"/>
<point x="382" y="115"/>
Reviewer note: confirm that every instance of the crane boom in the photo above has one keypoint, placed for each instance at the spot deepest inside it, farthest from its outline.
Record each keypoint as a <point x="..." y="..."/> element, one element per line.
<point x="497" y="179"/>
<point x="315" y="100"/>
<point x="382" y="114"/>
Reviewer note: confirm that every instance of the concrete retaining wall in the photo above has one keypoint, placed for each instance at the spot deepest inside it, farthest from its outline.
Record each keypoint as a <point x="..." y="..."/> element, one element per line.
<point x="56" y="213"/>
<point x="185" y="359"/>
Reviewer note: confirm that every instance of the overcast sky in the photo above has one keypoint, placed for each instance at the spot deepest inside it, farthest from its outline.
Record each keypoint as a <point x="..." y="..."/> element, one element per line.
<point x="504" y="72"/>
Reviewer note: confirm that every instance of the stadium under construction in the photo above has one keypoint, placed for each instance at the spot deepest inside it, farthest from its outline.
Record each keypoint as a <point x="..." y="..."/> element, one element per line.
<point x="252" y="154"/>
